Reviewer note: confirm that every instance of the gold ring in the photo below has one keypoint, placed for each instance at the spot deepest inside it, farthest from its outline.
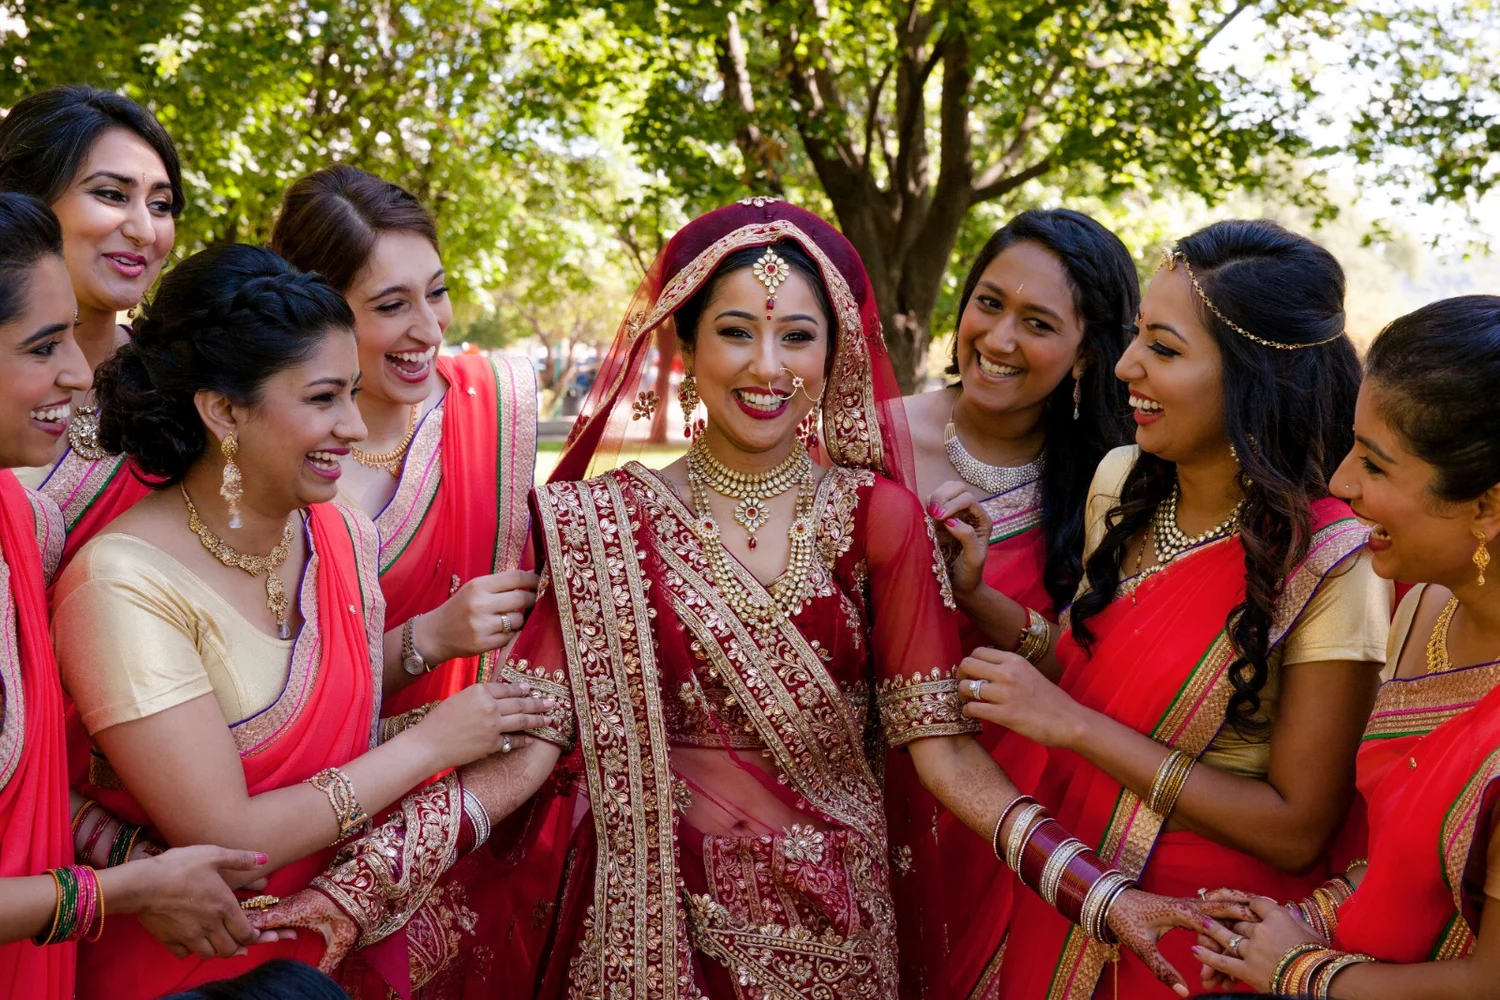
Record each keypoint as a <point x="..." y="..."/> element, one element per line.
<point x="259" y="902"/>
<point x="505" y="623"/>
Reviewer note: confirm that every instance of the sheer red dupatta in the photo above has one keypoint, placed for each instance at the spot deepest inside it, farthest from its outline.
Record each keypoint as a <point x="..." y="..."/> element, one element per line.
<point x="1158" y="665"/>
<point x="1429" y="773"/>
<point x="34" y="830"/>
<point x="460" y="511"/>
<point x="324" y="717"/>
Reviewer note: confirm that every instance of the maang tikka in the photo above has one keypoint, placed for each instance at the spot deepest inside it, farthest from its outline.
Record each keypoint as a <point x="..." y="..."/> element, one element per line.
<point x="770" y="271"/>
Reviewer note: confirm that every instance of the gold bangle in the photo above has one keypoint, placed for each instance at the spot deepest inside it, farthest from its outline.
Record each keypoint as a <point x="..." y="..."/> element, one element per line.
<point x="1323" y="981"/>
<point x="347" y="811"/>
<point x="1035" y="638"/>
<point x="1052" y="871"/>
<point x="1166" y="787"/>
<point x="1015" y="844"/>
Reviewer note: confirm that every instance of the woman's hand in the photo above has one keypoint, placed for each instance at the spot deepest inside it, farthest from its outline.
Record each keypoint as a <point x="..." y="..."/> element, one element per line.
<point x="1249" y="950"/>
<point x="482" y="615"/>
<point x="1140" y="919"/>
<point x="1016" y="695"/>
<point x="479" y="721"/>
<point x="954" y="508"/>
<point x="182" y="899"/>
<point x="312" y="910"/>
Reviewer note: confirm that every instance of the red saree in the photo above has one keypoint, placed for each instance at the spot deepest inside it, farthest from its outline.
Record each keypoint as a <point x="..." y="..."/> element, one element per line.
<point x="91" y="493"/>
<point x="34" y="831"/>
<point x="460" y="509"/>
<point x="324" y="717"/>
<point x="1158" y="665"/>
<point x="1429" y="774"/>
<point x="689" y="719"/>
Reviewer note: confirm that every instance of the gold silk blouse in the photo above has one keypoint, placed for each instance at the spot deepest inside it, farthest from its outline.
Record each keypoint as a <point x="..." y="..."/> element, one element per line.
<point x="1347" y="619"/>
<point x="138" y="633"/>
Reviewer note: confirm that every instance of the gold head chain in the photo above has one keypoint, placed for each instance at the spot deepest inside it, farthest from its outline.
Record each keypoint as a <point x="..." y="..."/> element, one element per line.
<point x="1171" y="257"/>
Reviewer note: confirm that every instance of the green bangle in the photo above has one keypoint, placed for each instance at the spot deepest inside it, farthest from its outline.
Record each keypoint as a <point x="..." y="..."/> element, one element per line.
<point x="123" y="844"/>
<point x="1276" y="986"/>
<point x="65" y="916"/>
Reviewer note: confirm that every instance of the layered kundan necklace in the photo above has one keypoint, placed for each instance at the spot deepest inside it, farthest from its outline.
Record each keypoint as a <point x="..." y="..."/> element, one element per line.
<point x="1170" y="541"/>
<point x="790" y="591"/>
<point x="991" y="478"/>
<point x="254" y="565"/>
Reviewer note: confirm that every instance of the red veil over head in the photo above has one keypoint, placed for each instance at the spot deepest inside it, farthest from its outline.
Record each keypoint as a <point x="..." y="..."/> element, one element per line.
<point x="863" y="423"/>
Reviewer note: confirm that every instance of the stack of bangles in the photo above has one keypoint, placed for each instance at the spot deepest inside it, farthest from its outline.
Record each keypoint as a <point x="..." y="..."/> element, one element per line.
<point x="1309" y="968"/>
<point x="1063" y="870"/>
<point x="127" y="837"/>
<point x="1035" y="638"/>
<point x="1166" y="787"/>
<point x="1320" y="911"/>
<point x="80" y="906"/>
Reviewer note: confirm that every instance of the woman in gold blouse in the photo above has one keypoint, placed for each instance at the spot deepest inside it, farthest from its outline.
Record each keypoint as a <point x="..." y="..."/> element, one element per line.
<point x="223" y="639"/>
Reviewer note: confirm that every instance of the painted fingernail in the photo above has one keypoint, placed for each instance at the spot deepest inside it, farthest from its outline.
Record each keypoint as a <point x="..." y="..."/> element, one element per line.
<point x="934" y="510"/>
<point x="1200" y="951"/>
<point x="951" y="522"/>
<point x="1208" y="925"/>
<point x="262" y="859"/>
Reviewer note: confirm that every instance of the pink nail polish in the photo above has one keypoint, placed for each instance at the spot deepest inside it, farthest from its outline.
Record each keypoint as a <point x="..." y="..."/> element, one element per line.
<point x="262" y="859"/>
<point x="952" y="522"/>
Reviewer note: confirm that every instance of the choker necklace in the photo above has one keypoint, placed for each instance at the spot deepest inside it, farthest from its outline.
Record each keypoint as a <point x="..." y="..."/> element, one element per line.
<point x="1171" y="541"/>
<point x="790" y="591"/>
<point x="751" y="489"/>
<point x="391" y="460"/>
<point x="83" y="433"/>
<point x="991" y="478"/>
<point x="254" y="565"/>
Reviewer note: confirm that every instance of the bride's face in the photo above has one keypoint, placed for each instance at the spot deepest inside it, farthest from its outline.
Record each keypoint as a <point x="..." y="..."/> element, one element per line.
<point x="747" y="365"/>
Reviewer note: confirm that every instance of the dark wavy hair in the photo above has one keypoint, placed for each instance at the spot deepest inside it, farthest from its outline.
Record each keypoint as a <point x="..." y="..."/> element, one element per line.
<point x="1438" y="370"/>
<point x="1106" y="296"/>
<point x="47" y="135"/>
<point x="686" y="318"/>
<point x="226" y="319"/>
<point x="28" y="232"/>
<point x="278" y="979"/>
<point x="331" y="218"/>
<point x="1289" y="415"/>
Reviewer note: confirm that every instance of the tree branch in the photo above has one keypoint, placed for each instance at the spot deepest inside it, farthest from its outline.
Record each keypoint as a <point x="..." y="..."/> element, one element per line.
<point x="1191" y="56"/>
<point x="1004" y="185"/>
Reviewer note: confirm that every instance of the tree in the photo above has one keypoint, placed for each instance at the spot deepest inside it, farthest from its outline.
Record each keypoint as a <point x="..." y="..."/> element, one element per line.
<point x="905" y="114"/>
<point x="471" y="105"/>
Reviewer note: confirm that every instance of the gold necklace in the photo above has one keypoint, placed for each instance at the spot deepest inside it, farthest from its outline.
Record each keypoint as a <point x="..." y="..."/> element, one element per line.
<point x="254" y="565"/>
<point x="83" y="434"/>
<point x="391" y="460"/>
<point x="751" y="489"/>
<point x="788" y="592"/>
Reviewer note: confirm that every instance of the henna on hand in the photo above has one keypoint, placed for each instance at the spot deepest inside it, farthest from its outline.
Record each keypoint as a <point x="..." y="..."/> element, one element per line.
<point x="312" y="910"/>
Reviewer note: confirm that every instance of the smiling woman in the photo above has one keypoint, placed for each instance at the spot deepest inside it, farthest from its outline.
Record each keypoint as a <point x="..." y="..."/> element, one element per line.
<point x="110" y="172"/>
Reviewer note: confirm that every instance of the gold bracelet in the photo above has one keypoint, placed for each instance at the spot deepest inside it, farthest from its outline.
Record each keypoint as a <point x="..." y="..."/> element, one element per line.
<point x="1035" y="638"/>
<point x="347" y="811"/>
<point x="1166" y="787"/>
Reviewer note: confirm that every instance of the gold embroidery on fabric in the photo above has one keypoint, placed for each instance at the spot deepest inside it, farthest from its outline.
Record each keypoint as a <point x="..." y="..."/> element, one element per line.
<point x="1421" y="704"/>
<point x="51" y="532"/>
<point x="940" y="567"/>
<point x="547" y="684"/>
<point x="1462" y="824"/>
<point x="12" y="694"/>
<point x="902" y="859"/>
<point x="421" y="475"/>
<point x="1193" y="719"/>
<point x="921" y="707"/>
<point x="76" y="483"/>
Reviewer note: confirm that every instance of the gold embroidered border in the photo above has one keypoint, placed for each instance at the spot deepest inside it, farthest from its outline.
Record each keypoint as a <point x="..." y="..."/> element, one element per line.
<point x="421" y="475"/>
<point x="51" y="532"/>
<point x="1190" y="724"/>
<point x="76" y="483"/>
<point x="1421" y="704"/>
<point x="1462" y="824"/>
<point x="1457" y="941"/>
<point x="515" y="383"/>
<point x="1014" y="511"/>
<point x="921" y="707"/>
<point x="562" y="724"/>
<point x="12" y="694"/>
<point x="635" y="941"/>
<point x="940" y="566"/>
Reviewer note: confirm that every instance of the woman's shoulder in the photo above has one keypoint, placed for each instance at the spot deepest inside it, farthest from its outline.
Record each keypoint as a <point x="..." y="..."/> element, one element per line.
<point x="117" y="560"/>
<point x="1114" y="467"/>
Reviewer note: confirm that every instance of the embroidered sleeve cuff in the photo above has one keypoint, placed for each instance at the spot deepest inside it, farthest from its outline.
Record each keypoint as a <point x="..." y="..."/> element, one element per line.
<point x="921" y="707"/>
<point x="562" y="728"/>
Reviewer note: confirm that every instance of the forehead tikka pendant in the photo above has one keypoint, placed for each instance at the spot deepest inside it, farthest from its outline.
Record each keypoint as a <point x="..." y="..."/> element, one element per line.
<point x="770" y="271"/>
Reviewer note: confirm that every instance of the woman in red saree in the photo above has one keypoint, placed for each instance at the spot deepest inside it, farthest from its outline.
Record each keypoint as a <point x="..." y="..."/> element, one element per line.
<point x="180" y="894"/>
<point x="1425" y="469"/>
<point x="1224" y="653"/>
<point x="110" y="172"/>
<point x="1034" y="408"/>
<point x="223" y="641"/>
<point x="735" y="640"/>
<point x="452" y="448"/>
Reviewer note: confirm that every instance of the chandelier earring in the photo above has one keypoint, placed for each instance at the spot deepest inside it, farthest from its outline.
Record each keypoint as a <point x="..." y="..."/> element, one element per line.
<point x="232" y="489"/>
<point x="1481" y="555"/>
<point x="687" y="395"/>
<point x="1077" y="395"/>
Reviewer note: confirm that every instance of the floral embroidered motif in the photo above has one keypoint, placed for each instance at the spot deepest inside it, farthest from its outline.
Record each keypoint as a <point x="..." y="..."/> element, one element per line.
<point x="644" y="407"/>
<point x="805" y="844"/>
<point x="921" y="707"/>
<point x="940" y="567"/>
<point x="902" y="859"/>
<point x="562" y="725"/>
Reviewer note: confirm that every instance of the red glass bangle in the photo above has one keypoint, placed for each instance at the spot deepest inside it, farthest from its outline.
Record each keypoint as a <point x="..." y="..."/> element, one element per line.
<point x="1048" y="836"/>
<point x="1078" y="878"/>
